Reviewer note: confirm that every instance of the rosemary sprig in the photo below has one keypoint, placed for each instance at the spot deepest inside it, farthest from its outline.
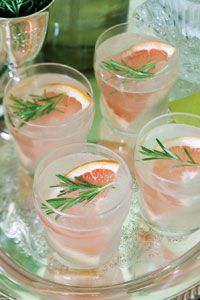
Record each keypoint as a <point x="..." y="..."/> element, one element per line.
<point x="127" y="71"/>
<point x="168" y="154"/>
<point x="38" y="106"/>
<point x="14" y="6"/>
<point x="18" y="8"/>
<point x="86" y="192"/>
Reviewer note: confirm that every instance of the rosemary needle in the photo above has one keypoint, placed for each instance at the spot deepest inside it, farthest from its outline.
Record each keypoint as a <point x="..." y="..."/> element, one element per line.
<point x="86" y="192"/>
<point x="165" y="153"/>
<point x="27" y="110"/>
<point x="127" y="71"/>
<point x="18" y="8"/>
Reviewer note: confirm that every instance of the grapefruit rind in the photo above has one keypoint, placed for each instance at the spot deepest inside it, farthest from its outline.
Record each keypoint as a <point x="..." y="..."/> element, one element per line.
<point x="170" y="50"/>
<point x="192" y="142"/>
<point x="186" y="174"/>
<point x="112" y="165"/>
<point x="117" y="120"/>
<point x="68" y="90"/>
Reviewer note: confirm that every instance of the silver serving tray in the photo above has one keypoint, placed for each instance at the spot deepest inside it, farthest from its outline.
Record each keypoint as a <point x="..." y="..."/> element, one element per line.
<point x="148" y="265"/>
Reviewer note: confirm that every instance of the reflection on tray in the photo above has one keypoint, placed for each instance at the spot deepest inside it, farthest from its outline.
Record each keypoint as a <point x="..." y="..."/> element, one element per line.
<point x="141" y="250"/>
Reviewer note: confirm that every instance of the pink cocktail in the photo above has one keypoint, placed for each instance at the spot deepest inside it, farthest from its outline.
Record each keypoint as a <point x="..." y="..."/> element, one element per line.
<point x="167" y="168"/>
<point x="135" y="72"/>
<point x="50" y="105"/>
<point x="83" y="220"/>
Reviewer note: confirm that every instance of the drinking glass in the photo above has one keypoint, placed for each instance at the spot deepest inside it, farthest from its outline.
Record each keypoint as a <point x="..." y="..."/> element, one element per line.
<point x="177" y="21"/>
<point x="88" y="234"/>
<point x="128" y="103"/>
<point x="35" y="137"/>
<point x="169" y="181"/>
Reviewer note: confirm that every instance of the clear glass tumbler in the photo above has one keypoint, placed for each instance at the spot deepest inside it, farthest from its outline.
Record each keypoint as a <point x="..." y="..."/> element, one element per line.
<point x="177" y="21"/>
<point x="70" y="120"/>
<point x="135" y="71"/>
<point x="167" y="169"/>
<point x="88" y="233"/>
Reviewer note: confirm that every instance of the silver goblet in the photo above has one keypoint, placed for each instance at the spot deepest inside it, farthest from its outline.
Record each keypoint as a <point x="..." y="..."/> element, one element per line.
<point x="21" y="39"/>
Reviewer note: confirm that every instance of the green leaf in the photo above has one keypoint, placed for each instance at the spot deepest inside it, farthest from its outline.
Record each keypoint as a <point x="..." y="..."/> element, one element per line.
<point x="189" y="104"/>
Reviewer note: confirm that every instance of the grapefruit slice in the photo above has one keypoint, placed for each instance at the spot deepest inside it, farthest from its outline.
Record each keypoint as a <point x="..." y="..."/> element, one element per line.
<point x="124" y="106"/>
<point x="142" y="54"/>
<point x="160" y="203"/>
<point x="168" y="168"/>
<point x="69" y="91"/>
<point x="73" y="100"/>
<point x="85" y="245"/>
<point x="99" y="172"/>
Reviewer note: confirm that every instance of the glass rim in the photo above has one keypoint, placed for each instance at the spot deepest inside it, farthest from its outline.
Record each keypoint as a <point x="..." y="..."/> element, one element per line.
<point x="28" y="16"/>
<point x="163" y="72"/>
<point x="145" y="127"/>
<point x="57" y="149"/>
<point x="76" y="116"/>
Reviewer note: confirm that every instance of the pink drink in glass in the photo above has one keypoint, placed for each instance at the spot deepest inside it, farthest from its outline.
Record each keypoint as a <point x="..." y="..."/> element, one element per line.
<point x="85" y="235"/>
<point x="170" y="187"/>
<point x="70" y="122"/>
<point x="127" y="102"/>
